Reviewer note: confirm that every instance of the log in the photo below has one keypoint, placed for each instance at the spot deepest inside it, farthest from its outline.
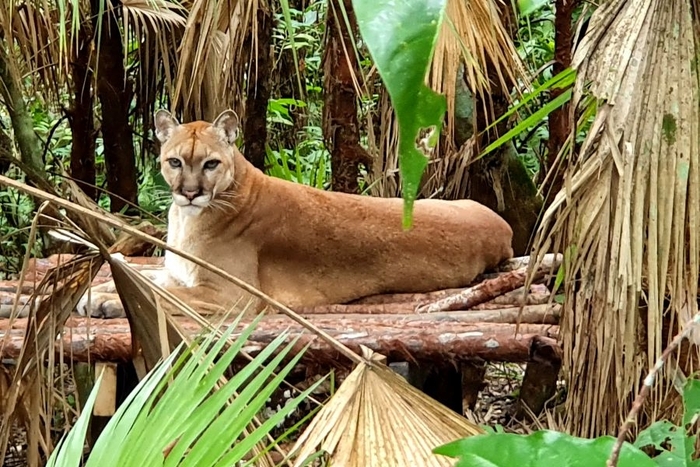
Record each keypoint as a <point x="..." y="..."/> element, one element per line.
<point x="38" y="267"/>
<point x="440" y="337"/>
<point x="492" y="294"/>
<point x="535" y="311"/>
<point x="533" y="314"/>
<point x="550" y="261"/>
<point x="483" y="292"/>
<point x="514" y="297"/>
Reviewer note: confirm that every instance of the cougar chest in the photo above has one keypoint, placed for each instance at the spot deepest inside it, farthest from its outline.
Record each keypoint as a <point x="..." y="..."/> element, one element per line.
<point x="181" y="228"/>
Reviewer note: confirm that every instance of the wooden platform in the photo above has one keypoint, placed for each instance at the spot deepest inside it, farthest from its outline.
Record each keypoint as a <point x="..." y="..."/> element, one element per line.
<point x="498" y="323"/>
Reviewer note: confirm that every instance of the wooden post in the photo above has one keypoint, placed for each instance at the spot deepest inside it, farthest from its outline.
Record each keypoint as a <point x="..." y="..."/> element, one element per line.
<point x="540" y="381"/>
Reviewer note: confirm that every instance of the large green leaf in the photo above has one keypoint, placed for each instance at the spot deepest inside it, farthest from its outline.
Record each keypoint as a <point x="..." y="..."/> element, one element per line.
<point x="676" y="447"/>
<point x="401" y="37"/>
<point x="691" y="400"/>
<point x="540" y="449"/>
<point x="528" y="7"/>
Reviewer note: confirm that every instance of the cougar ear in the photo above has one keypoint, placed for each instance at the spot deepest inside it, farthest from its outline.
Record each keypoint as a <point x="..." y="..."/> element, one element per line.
<point x="165" y="124"/>
<point x="227" y="125"/>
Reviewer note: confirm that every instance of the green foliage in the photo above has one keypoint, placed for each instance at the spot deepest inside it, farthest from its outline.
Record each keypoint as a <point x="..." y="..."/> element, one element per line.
<point x="309" y="161"/>
<point x="184" y="413"/>
<point x="297" y="152"/>
<point x="535" y="44"/>
<point x="16" y="215"/>
<point x="675" y="444"/>
<point x="563" y="80"/>
<point x="540" y="449"/>
<point x="401" y="39"/>
<point x="290" y="164"/>
<point x="301" y="31"/>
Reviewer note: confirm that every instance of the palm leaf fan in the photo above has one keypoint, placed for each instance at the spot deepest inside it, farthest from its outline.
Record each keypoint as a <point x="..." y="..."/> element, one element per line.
<point x="628" y="214"/>
<point x="378" y="418"/>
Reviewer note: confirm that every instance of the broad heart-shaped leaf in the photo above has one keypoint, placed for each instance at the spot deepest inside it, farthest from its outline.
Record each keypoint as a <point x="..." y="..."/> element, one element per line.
<point x="527" y="7"/>
<point x="675" y="446"/>
<point x="540" y="449"/>
<point x="401" y="37"/>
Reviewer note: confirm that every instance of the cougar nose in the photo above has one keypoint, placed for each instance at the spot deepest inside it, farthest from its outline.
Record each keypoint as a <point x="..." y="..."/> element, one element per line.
<point x="190" y="194"/>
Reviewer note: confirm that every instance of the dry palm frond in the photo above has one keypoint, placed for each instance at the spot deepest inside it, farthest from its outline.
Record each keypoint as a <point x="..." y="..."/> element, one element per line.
<point x="155" y="27"/>
<point x="213" y="58"/>
<point x="151" y="31"/>
<point x="628" y="214"/>
<point x="151" y="324"/>
<point x="473" y="41"/>
<point x="377" y="418"/>
<point x="37" y="45"/>
<point x="44" y="324"/>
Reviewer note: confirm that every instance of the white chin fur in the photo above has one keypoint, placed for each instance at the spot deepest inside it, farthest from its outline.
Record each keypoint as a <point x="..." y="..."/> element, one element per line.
<point x="190" y="210"/>
<point x="193" y="208"/>
<point x="198" y="202"/>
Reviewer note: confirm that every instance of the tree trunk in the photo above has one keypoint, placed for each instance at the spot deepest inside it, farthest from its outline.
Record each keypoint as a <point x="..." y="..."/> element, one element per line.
<point x="30" y="146"/>
<point x="259" y="87"/>
<point x="120" y="159"/>
<point x="500" y="180"/>
<point x="340" y="124"/>
<point x="560" y="120"/>
<point x="81" y="117"/>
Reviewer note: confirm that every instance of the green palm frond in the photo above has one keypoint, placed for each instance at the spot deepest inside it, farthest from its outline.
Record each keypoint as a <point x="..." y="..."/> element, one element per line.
<point x="185" y="413"/>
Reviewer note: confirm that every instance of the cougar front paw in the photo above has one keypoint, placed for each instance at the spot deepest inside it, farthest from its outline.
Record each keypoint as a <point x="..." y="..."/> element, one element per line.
<point x="101" y="305"/>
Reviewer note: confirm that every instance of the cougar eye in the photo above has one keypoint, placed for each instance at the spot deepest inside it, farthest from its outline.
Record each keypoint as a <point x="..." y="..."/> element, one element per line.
<point x="212" y="164"/>
<point x="175" y="163"/>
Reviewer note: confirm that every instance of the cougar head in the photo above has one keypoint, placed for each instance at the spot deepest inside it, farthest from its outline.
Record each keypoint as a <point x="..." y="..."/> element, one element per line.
<point x="197" y="158"/>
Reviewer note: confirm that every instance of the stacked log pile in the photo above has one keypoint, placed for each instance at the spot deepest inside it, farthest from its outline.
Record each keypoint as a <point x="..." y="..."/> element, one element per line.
<point x="492" y="321"/>
<point x="451" y="331"/>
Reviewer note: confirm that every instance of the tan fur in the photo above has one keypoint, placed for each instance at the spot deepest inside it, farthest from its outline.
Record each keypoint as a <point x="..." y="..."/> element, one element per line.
<point x="305" y="246"/>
